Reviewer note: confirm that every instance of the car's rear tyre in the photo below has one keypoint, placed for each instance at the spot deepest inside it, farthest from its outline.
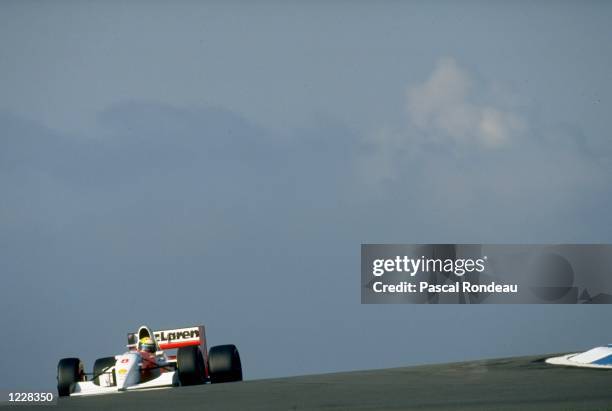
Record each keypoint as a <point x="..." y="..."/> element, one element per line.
<point x="102" y="365"/>
<point x="190" y="364"/>
<point x="69" y="371"/>
<point x="224" y="364"/>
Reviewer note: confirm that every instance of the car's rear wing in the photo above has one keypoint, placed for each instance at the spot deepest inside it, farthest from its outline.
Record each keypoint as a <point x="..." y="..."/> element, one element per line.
<point x="175" y="338"/>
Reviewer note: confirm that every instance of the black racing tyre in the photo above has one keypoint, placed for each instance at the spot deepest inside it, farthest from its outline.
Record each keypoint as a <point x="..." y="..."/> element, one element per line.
<point x="69" y="371"/>
<point x="102" y="365"/>
<point x="190" y="365"/>
<point x="224" y="364"/>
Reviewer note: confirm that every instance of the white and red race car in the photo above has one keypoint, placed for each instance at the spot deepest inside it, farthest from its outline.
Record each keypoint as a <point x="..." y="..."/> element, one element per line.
<point x="154" y="368"/>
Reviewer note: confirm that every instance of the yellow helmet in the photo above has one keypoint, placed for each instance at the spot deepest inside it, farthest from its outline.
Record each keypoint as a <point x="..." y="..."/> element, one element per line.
<point x="146" y="344"/>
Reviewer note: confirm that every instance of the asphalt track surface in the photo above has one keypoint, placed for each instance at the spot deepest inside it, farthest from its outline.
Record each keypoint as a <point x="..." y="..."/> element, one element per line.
<point x="522" y="383"/>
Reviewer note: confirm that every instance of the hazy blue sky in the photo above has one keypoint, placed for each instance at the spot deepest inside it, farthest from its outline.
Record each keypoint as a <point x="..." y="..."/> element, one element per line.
<point x="186" y="163"/>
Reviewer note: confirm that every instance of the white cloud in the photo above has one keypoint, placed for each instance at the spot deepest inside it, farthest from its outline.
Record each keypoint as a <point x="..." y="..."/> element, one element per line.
<point x="440" y="110"/>
<point x="466" y="161"/>
<point x="441" y="106"/>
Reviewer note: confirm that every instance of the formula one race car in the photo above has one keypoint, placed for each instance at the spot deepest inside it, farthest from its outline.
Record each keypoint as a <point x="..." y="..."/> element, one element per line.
<point x="147" y="365"/>
<point x="598" y="357"/>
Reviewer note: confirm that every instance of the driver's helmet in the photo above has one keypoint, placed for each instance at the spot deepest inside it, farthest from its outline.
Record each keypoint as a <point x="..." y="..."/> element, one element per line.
<point x="146" y="344"/>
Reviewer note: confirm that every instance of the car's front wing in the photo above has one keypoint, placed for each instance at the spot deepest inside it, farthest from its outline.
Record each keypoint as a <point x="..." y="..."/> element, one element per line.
<point x="166" y="379"/>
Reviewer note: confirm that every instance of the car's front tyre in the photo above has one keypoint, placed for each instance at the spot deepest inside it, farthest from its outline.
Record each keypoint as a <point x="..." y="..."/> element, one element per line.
<point x="69" y="371"/>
